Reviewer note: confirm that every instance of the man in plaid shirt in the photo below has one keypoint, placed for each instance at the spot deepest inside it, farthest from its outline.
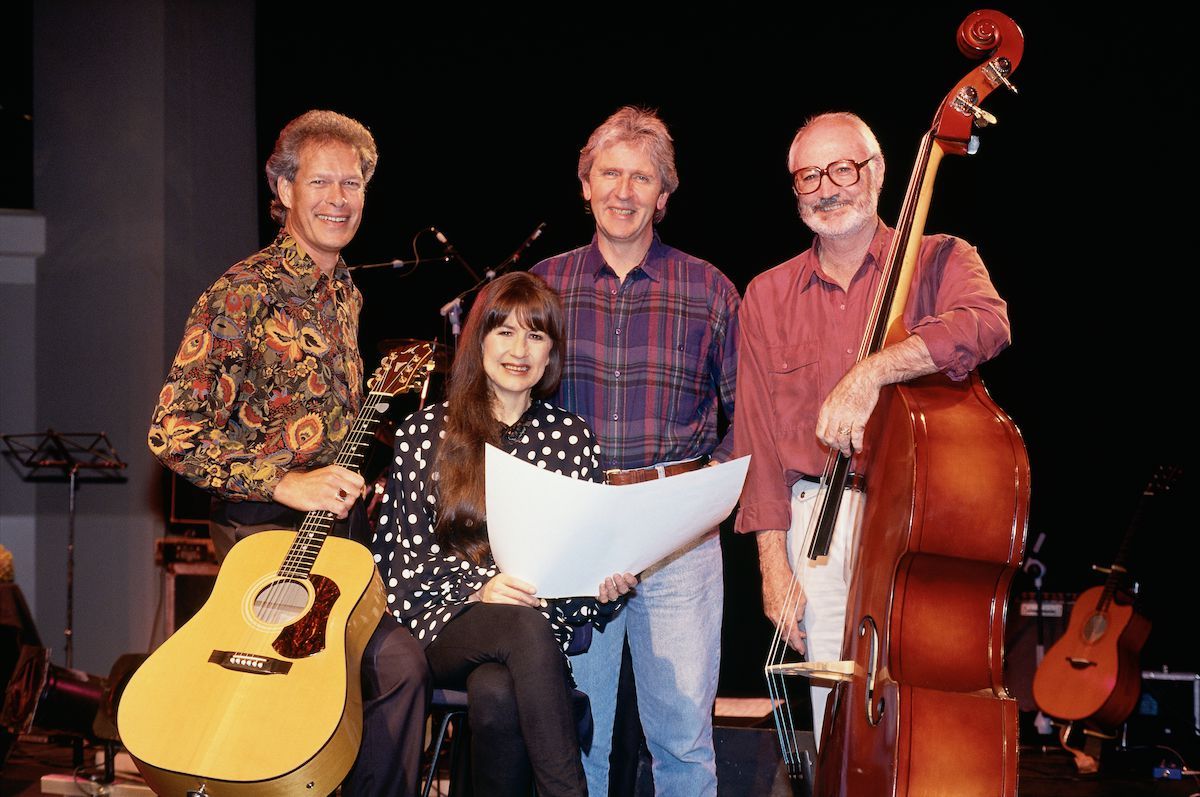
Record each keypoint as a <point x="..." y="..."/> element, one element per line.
<point x="651" y="353"/>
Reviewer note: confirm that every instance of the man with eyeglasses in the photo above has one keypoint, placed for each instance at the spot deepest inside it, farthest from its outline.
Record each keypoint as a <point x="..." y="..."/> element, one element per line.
<point x="800" y="392"/>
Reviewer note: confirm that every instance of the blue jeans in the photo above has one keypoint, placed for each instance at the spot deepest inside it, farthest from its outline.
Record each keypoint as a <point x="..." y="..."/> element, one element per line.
<point x="674" y="627"/>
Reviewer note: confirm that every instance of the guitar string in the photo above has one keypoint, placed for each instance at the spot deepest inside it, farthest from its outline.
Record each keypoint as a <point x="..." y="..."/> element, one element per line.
<point x="315" y="527"/>
<point x="291" y="569"/>
<point x="320" y="522"/>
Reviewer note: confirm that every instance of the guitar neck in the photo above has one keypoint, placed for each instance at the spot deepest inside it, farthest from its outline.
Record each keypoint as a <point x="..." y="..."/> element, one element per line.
<point x="352" y="455"/>
<point x="1117" y="571"/>
<point x="1163" y="479"/>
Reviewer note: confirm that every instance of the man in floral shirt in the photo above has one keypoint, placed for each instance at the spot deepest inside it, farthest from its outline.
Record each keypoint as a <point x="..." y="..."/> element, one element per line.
<point x="265" y="388"/>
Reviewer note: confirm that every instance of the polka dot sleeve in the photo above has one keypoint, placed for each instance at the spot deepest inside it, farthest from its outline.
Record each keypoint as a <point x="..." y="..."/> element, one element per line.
<point x="426" y="586"/>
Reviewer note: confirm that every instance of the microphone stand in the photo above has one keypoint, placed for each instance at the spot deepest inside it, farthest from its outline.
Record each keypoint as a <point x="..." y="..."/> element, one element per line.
<point x="516" y="256"/>
<point x="397" y="263"/>
<point x="453" y="308"/>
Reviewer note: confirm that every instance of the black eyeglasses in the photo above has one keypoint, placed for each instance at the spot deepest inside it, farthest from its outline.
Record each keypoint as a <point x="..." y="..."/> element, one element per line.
<point x="841" y="173"/>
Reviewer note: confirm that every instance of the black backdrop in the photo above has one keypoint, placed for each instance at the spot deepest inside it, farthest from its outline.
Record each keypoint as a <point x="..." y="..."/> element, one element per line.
<point x="1075" y="201"/>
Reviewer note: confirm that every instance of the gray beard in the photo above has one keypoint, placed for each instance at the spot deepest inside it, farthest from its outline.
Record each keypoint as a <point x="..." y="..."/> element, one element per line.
<point x="862" y="212"/>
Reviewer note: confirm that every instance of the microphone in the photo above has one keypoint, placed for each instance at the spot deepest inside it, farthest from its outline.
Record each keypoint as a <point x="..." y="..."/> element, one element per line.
<point x="385" y="264"/>
<point x="453" y="310"/>
<point x="527" y="242"/>
<point x="451" y="252"/>
<point x="445" y="242"/>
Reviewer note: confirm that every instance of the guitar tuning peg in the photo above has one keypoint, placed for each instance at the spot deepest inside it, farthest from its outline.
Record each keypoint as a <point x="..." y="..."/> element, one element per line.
<point x="1109" y="570"/>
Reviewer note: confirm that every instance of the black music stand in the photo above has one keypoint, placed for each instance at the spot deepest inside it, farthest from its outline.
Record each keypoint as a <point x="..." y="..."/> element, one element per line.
<point x="52" y="456"/>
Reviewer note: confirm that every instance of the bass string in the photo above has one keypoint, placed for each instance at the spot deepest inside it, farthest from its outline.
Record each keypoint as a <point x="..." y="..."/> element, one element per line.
<point x="786" y="727"/>
<point x="785" y="723"/>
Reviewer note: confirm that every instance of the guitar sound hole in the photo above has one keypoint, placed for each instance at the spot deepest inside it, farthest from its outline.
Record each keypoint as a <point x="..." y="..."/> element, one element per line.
<point x="280" y="602"/>
<point x="1095" y="627"/>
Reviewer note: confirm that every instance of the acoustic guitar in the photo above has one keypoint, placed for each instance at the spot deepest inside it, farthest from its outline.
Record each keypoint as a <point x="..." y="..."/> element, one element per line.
<point x="1091" y="673"/>
<point x="259" y="693"/>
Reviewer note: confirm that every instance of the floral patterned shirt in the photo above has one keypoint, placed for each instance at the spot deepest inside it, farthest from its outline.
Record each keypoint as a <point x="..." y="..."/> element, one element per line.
<point x="268" y="378"/>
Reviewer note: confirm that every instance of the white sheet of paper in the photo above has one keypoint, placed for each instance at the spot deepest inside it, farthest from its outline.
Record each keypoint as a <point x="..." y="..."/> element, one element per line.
<point x="565" y="536"/>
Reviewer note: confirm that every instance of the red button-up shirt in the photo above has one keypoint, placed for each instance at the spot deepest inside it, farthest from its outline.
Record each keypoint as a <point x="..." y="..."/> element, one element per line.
<point x="801" y="334"/>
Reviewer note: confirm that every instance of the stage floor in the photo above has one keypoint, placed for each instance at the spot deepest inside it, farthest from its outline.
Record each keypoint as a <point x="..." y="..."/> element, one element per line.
<point x="1049" y="773"/>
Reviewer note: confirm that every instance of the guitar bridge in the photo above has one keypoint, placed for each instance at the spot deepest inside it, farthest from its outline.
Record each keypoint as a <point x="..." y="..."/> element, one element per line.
<point x="250" y="662"/>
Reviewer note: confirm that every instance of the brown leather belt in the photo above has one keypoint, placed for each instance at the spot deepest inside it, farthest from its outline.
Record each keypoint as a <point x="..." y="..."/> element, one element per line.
<point x="854" y="481"/>
<point x="638" y="475"/>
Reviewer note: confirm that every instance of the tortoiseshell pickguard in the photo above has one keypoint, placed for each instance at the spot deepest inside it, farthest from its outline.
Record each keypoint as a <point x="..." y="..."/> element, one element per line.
<point x="306" y="636"/>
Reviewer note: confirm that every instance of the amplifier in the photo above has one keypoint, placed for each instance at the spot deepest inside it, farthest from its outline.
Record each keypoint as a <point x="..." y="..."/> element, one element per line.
<point x="1168" y="710"/>
<point x="183" y="550"/>
<point x="191" y="570"/>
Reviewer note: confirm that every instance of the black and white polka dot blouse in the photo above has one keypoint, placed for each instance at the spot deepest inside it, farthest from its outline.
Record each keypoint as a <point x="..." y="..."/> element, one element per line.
<point x="428" y="586"/>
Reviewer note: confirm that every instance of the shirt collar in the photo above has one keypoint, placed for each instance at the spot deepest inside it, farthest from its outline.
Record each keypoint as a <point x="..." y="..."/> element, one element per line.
<point x="652" y="264"/>
<point x="876" y="252"/>
<point x="298" y="263"/>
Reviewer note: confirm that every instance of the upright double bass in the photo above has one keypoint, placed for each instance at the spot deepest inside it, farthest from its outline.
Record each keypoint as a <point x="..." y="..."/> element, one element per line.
<point x="920" y="707"/>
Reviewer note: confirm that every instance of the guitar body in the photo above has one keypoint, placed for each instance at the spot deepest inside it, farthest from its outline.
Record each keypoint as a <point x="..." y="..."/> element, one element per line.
<point x="1092" y="671"/>
<point x="259" y="693"/>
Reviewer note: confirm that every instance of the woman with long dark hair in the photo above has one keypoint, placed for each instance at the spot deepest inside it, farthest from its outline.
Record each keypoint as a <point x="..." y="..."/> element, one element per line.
<point x="484" y="630"/>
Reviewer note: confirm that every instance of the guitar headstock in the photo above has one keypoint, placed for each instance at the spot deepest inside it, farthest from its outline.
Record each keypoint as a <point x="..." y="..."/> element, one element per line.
<point x="403" y="369"/>
<point x="1163" y="480"/>
<point x="995" y="38"/>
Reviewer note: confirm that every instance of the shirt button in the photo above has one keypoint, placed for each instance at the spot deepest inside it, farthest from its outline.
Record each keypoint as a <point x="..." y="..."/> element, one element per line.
<point x="842" y="306"/>
<point x="613" y="291"/>
<point x="615" y="416"/>
<point x="616" y="373"/>
<point x="849" y="351"/>
<point x="618" y="330"/>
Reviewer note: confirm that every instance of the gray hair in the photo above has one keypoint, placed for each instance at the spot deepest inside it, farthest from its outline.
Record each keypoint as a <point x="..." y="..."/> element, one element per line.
<point x="876" y="165"/>
<point x="640" y="127"/>
<point x="316" y="127"/>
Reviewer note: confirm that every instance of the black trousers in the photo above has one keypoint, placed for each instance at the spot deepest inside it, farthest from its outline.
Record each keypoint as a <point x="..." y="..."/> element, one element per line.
<point x="396" y="687"/>
<point x="507" y="659"/>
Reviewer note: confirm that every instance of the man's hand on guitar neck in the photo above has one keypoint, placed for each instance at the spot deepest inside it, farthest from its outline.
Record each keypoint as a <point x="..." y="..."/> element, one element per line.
<point x="331" y="489"/>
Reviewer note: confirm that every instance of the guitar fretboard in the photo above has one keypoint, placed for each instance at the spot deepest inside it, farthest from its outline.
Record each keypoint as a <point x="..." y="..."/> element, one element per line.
<point x="317" y="524"/>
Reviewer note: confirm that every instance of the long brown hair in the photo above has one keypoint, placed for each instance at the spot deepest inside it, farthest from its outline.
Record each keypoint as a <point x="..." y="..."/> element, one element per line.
<point x="472" y="420"/>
